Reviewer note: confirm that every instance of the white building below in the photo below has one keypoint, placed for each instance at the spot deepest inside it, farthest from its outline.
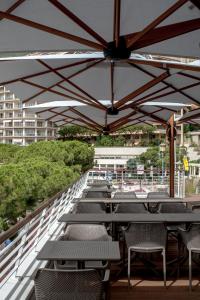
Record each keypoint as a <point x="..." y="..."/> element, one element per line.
<point x="115" y="157"/>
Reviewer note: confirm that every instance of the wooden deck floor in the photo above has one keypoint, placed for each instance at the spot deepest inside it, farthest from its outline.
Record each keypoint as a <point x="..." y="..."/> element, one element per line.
<point x="154" y="290"/>
<point x="146" y="286"/>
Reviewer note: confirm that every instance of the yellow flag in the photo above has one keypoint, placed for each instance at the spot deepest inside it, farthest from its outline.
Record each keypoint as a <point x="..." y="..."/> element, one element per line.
<point x="186" y="163"/>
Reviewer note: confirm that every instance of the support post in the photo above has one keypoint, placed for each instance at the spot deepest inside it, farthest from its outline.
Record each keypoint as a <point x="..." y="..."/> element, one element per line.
<point x="171" y="156"/>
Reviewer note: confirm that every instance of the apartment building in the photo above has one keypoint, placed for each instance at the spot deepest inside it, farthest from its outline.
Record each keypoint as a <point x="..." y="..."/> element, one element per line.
<point x="21" y="127"/>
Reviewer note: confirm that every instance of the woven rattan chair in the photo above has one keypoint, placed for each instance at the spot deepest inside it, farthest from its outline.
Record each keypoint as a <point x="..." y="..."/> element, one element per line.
<point x="70" y="285"/>
<point x="174" y="208"/>
<point x="146" y="238"/>
<point x="153" y="207"/>
<point x="191" y="240"/>
<point x="84" y="232"/>
<point x="96" y="194"/>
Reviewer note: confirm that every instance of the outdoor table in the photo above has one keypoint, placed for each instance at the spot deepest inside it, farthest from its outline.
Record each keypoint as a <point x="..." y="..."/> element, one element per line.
<point x="131" y="217"/>
<point x="99" y="189"/>
<point x="111" y="201"/>
<point x="80" y="251"/>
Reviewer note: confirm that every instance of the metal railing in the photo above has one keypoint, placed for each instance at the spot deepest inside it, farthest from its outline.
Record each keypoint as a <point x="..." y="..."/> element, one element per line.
<point x="17" y="259"/>
<point x="149" y="181"/>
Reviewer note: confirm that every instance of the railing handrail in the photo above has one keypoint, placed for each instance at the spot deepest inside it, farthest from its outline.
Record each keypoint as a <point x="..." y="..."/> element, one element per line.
<point x="15" y="228"/>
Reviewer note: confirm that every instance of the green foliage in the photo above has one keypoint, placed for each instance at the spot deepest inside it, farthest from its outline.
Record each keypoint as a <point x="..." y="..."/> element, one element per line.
<point x="145" y="129"/>
<point x="191" y="127"/>
<point x="7" y="152"/>
<point x="71" y="131"/>
<point x="110" y="141"/>
<point x="38" y="171"/>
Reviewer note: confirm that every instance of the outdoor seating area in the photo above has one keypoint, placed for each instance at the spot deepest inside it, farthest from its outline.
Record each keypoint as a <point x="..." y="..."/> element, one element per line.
<point x="103" y="67"/>
<point x="100" y="247"/>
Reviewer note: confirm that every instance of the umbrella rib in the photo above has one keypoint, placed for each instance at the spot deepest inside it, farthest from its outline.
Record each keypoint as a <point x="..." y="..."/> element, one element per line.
<point x="47" y="71"/>
<point x="156" y="22"/>
<point x="112" y="66"/>
<point x="78" y="21"/>
<point x="145" y="98"/>
<point x="83" y="116"/>
<point x="196" y="3"/>
<point x="176" y="90"/>
<point x="50" y="30"/>
<point x="48" y="89"/>
<point x="67" y="79"/>
<point x="165" y="65"/>
<point x="82" y="120"/>
<point x="158" y="119"/>
<point x="143" y="88"/>
<point x="163" y="33"/>
<point x="13" y="7"/>
<point x="116" y="25"/>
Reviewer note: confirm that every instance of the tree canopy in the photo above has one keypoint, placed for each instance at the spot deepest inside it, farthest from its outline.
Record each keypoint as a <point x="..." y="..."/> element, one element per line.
<point x="34" y="173"/>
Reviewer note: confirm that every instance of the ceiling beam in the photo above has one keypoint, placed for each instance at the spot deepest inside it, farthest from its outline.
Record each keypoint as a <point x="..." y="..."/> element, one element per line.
<point x="78" y="21"/>
<point x="50" y="30"/>
<point x="156" y="22"/>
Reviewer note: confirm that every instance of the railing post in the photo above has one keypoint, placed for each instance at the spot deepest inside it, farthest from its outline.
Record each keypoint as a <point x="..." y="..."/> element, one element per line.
<point x="39" y="228"/>
<point x="21" y="249"/>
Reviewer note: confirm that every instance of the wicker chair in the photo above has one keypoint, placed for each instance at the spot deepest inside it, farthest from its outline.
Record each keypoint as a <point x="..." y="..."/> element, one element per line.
<point x="70" y="284"/>
<point x="153" y="207"/>
<point x="191" y="240"/>
<point x="174" y="208"/>
<point x="146" y="238"/>
<point x="84" y="232"/>
<point x="127" y="208"/>
<point x="92" y="193"/>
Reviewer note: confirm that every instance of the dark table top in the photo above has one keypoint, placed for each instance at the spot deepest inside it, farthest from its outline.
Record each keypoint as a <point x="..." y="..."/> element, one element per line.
<point x="141" y="200"/>
<point x="132" y="217"/>
<point x="79" y="250"/>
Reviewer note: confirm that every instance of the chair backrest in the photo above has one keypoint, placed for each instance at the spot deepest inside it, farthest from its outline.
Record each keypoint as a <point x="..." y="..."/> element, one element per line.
<point x="130" y="208"/>
<point x="125" y="195"/>
<point x="158" y="195"/>
<point x="90" y="208"/>
<point x="86" y="232"/>
<point x="51" y="284"/>
<point x="173" y="208"/>
<point x="96" y="194"/>
<point x="148" y="231"/>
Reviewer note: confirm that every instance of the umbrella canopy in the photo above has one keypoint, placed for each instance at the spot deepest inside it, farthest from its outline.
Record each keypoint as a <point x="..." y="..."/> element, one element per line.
<point x="72" y="112"/>
<point x="152" y="26"/>
<point x="192" y="116"/>
<point x="105" y="51"/>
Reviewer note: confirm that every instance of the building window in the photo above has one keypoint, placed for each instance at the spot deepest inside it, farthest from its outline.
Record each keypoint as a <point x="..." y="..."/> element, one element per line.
<point x="18" y="132"/>
<point x="40" y="124"/>
<point x="30" y="132"/>
<point x="9" y="132"/>
<point x="9" y="105"/>
<point x="30" y="124"/>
